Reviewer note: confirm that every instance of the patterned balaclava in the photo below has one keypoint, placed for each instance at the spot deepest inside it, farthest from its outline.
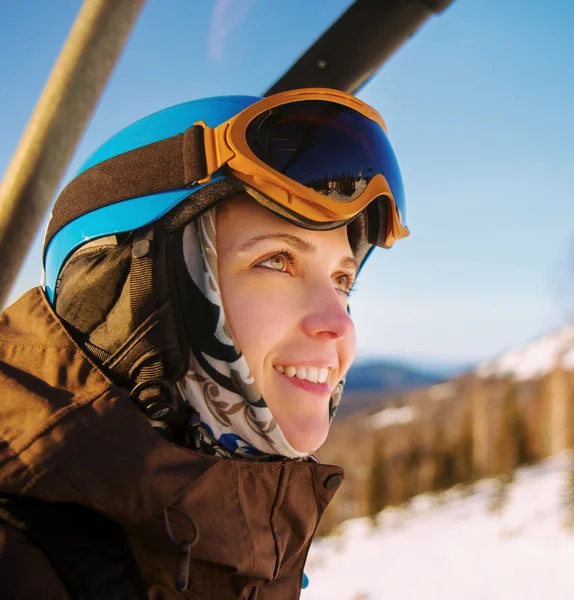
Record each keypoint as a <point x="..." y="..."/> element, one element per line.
<point x="235" y="419"/>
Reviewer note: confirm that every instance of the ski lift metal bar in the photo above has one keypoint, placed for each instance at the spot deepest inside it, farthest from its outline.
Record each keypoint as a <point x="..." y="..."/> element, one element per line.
<point x="56" y="125"/>
<point x="356" y="45"/>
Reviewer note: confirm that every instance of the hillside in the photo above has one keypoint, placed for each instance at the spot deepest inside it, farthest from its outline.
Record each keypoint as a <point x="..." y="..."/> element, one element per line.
<point x="387" y="376"/>
<point x="456" y="547"/>
<point x="515" y="409"/>
<point x="370" y="384"/>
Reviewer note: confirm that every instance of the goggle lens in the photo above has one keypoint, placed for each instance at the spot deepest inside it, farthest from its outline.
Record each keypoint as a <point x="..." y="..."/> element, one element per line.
<point x="327" y="147"/>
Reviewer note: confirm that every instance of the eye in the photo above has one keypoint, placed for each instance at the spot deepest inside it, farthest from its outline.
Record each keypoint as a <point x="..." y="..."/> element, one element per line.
<point x="280" y="262"/>
<point x="345" y="283"/>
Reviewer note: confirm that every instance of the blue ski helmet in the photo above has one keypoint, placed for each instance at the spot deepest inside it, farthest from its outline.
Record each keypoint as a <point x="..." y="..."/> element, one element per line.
<point x="134" y="213"/>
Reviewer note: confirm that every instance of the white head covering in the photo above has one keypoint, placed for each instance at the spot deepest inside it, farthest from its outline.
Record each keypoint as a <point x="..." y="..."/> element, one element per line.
<point x="234" y="417"/>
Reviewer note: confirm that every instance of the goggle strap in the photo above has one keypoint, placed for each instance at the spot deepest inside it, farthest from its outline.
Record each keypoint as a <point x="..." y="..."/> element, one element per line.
<point x="194" y="160"/>
<point x="172" y="163"/>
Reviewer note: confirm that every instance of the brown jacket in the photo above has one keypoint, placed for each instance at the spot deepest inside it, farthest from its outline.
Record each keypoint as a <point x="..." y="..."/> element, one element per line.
<point x="68" y="434"/>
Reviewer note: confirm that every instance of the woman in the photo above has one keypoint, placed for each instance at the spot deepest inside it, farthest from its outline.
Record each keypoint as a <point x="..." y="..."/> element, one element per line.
<point x="162" y="396"/>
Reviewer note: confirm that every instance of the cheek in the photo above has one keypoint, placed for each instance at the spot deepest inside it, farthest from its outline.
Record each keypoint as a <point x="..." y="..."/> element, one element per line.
<point x="260" y="316"/>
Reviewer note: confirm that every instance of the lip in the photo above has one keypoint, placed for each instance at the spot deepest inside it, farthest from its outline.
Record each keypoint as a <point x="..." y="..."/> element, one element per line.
<point x="317" y="389"/>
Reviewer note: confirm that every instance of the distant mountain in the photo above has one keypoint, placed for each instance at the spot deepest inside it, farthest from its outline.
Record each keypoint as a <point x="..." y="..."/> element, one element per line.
<point x="374" y="383"/>
<point x="371" y="383"/>
<point x="443" y="369"/>
<point x="535" y="358"/>
<point x="387" y="376"/>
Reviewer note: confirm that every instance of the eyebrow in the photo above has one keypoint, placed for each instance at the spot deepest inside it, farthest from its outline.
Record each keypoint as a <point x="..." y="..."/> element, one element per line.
<point x="299" y="244"/>
<point x="350" y="263"/>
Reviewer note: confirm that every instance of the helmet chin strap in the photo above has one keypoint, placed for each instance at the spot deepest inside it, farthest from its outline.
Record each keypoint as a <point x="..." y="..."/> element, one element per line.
<point x="153" y="358"/>
<point x="126" y="320"/>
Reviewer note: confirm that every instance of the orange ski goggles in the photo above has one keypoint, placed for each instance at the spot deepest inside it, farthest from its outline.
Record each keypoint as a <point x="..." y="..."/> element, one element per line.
<point x="320" y="156"/>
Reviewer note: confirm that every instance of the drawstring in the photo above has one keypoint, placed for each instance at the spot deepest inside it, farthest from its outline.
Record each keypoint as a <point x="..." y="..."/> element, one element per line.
<point x="182" y="568"/>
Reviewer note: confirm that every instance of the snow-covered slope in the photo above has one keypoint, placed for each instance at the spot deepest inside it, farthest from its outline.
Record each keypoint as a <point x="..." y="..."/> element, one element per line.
<point x="535" y="358"/>
<point x="457" y="549"/>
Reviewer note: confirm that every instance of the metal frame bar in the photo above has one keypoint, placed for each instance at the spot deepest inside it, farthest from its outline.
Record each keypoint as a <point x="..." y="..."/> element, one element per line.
<point x="343" y="58"/>
<point x="66" y="104"/>
<point x="357" y="44"/>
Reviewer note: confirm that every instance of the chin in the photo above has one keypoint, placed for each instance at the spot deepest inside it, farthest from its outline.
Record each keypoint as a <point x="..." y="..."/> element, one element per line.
<point x="306" y="435"/>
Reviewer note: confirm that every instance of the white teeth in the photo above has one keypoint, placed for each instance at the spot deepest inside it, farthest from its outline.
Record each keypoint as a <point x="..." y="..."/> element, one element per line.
<point x="290" y="371"/>
<point x="312" y="374"/>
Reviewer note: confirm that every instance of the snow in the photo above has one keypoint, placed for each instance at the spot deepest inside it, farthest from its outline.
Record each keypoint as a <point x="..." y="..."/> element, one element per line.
<point x="392" y="416"/>
<point x="535" y="358"/>
<point x="456" y="548"/>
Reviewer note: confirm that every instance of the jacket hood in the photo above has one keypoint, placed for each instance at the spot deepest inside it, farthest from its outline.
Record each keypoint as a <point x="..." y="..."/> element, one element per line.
<point x="68" y="434"/>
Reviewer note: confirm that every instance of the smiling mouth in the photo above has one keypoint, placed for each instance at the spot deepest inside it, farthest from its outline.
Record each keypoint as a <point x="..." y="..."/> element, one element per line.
<point x="322" y="390"/>
<point x="316" y="375"/>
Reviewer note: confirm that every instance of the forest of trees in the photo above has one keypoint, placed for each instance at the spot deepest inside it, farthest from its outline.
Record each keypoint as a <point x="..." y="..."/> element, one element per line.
<point x="436" y="451"/>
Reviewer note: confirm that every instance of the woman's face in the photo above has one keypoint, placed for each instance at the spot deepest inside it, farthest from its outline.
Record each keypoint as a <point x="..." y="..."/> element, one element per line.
<point x="285" y="293"/>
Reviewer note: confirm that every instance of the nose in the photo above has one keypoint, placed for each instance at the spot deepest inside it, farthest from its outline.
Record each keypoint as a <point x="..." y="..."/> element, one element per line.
<point x="326" y="315"/>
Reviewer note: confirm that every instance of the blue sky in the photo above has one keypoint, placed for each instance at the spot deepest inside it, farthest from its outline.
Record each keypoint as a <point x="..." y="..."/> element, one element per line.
<point x="479" y="110"/>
